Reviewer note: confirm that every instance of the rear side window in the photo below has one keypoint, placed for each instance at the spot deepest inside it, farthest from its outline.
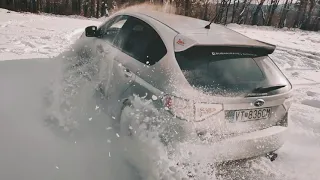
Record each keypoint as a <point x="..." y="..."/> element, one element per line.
<point x="140" y="41"/>
<point x="229" y="73"/>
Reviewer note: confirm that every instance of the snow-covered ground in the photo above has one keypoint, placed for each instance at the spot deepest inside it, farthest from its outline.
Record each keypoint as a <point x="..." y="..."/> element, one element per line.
<point x="298" y="56"/>
<point x="32" y="149"/>
<point x="33" y="36"/>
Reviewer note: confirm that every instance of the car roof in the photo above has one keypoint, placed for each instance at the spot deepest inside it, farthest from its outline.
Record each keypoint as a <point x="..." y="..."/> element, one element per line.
<point x="195" y="29"/>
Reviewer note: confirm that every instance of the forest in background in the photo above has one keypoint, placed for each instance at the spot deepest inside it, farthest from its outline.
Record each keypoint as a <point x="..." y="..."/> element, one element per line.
<point x="303" y="14"/>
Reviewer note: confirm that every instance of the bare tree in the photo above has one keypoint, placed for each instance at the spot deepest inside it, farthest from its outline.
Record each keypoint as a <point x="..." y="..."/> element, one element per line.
<point x="284" y="13"/>
<point x="187" y="7"/>
<point x="234" y="9"/>
<point x="264" y="18"/>
<point x="306" y="22"/>
<point x="317" y="24"/>
<point x="74" y="6"/>
<point x="302" y="5"/>
<point x="317" y="20"/>
<point x="242" y="11"/>
<point x="4" y="4"/>
<point x="85" y="8"/>
<point x="248" y="12"/>
<point x="272" y="9"/>
<point x="305" y="14"/>
<point x="97" y="8"/>
<point x="256" y="13"/>
<point x="220" y="11"/>
<point x="205" y="6"/>
<point x="227" y="11"/>
<point x="92" y="5"/>
<point x="39" y="5"/>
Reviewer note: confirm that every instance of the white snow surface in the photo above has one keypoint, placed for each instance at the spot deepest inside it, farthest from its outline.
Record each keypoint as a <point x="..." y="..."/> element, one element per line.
<point x="25" y="35"/>
<point x="30" y="148"/>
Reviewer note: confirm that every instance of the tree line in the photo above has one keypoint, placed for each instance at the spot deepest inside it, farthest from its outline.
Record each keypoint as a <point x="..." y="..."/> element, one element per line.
<point x="303" y="14"/>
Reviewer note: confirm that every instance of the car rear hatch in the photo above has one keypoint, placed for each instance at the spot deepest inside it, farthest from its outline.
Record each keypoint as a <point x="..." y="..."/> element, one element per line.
<point x="244" y="89"/>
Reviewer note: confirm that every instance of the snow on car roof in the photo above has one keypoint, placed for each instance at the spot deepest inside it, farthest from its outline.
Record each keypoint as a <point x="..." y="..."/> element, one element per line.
<point x="194" y="28"/>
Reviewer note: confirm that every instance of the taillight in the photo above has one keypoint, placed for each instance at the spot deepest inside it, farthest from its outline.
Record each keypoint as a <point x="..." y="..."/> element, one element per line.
<point x="189" y="110"/>
<point x="179" y="107"/>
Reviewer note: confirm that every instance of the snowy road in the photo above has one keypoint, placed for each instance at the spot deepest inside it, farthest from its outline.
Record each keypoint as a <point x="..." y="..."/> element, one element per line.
<point x="30" y="149"/>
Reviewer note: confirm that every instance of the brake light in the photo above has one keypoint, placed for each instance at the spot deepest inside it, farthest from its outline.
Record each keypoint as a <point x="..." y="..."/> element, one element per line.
<point x="189" y="110"/>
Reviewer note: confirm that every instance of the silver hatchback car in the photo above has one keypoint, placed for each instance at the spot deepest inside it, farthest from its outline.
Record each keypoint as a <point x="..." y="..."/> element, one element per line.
<point x="219" y="86"/>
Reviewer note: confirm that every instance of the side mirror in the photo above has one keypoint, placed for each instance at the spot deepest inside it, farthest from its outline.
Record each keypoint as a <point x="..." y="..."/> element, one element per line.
<point x="91" y="31"/>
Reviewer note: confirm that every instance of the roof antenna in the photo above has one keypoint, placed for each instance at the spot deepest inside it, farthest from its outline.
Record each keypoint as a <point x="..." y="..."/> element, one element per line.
<point x="208" y="26"/>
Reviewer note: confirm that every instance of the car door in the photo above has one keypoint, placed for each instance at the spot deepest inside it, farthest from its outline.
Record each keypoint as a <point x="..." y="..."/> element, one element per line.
<point x="131" y="43"/>
<point x="105" y="49"/>
<point x="140" y="48"/>
<point x="115" y="78"/>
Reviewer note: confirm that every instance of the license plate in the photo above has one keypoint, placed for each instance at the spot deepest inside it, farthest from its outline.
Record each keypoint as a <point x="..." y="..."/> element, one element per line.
<point x="252" y="114"/>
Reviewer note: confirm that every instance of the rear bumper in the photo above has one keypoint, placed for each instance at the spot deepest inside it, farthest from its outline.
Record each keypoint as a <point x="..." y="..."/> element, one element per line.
<point x="250" y="144"/>
<point x="245" y="146"/>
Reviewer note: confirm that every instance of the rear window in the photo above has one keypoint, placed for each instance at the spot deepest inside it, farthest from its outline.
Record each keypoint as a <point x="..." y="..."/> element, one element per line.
<point x="230" y="71"/>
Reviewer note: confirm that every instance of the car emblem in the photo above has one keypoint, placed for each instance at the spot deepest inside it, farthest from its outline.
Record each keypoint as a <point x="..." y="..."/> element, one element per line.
<point x="180" y="42"/>
<point x="258" y="102"/>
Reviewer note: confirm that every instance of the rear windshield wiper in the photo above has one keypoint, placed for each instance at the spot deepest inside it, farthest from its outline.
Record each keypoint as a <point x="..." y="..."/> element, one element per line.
<point x="267" y="89"/>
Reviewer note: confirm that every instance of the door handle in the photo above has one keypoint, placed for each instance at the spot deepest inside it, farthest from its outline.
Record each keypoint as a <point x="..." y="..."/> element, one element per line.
<point x="127" y="72"/>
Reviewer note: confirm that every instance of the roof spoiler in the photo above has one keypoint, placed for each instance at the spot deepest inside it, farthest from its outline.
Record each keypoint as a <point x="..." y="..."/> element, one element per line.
<point x="230" y="49"/>
<point x="268" y="46"/>
<point x="182" y="43"/>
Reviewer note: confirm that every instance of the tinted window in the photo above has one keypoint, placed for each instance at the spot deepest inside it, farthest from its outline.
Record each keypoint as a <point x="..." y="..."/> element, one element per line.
<point x="229" y="73"/>
<point x="110" y="30"/>
<point x="141" y="42"/>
